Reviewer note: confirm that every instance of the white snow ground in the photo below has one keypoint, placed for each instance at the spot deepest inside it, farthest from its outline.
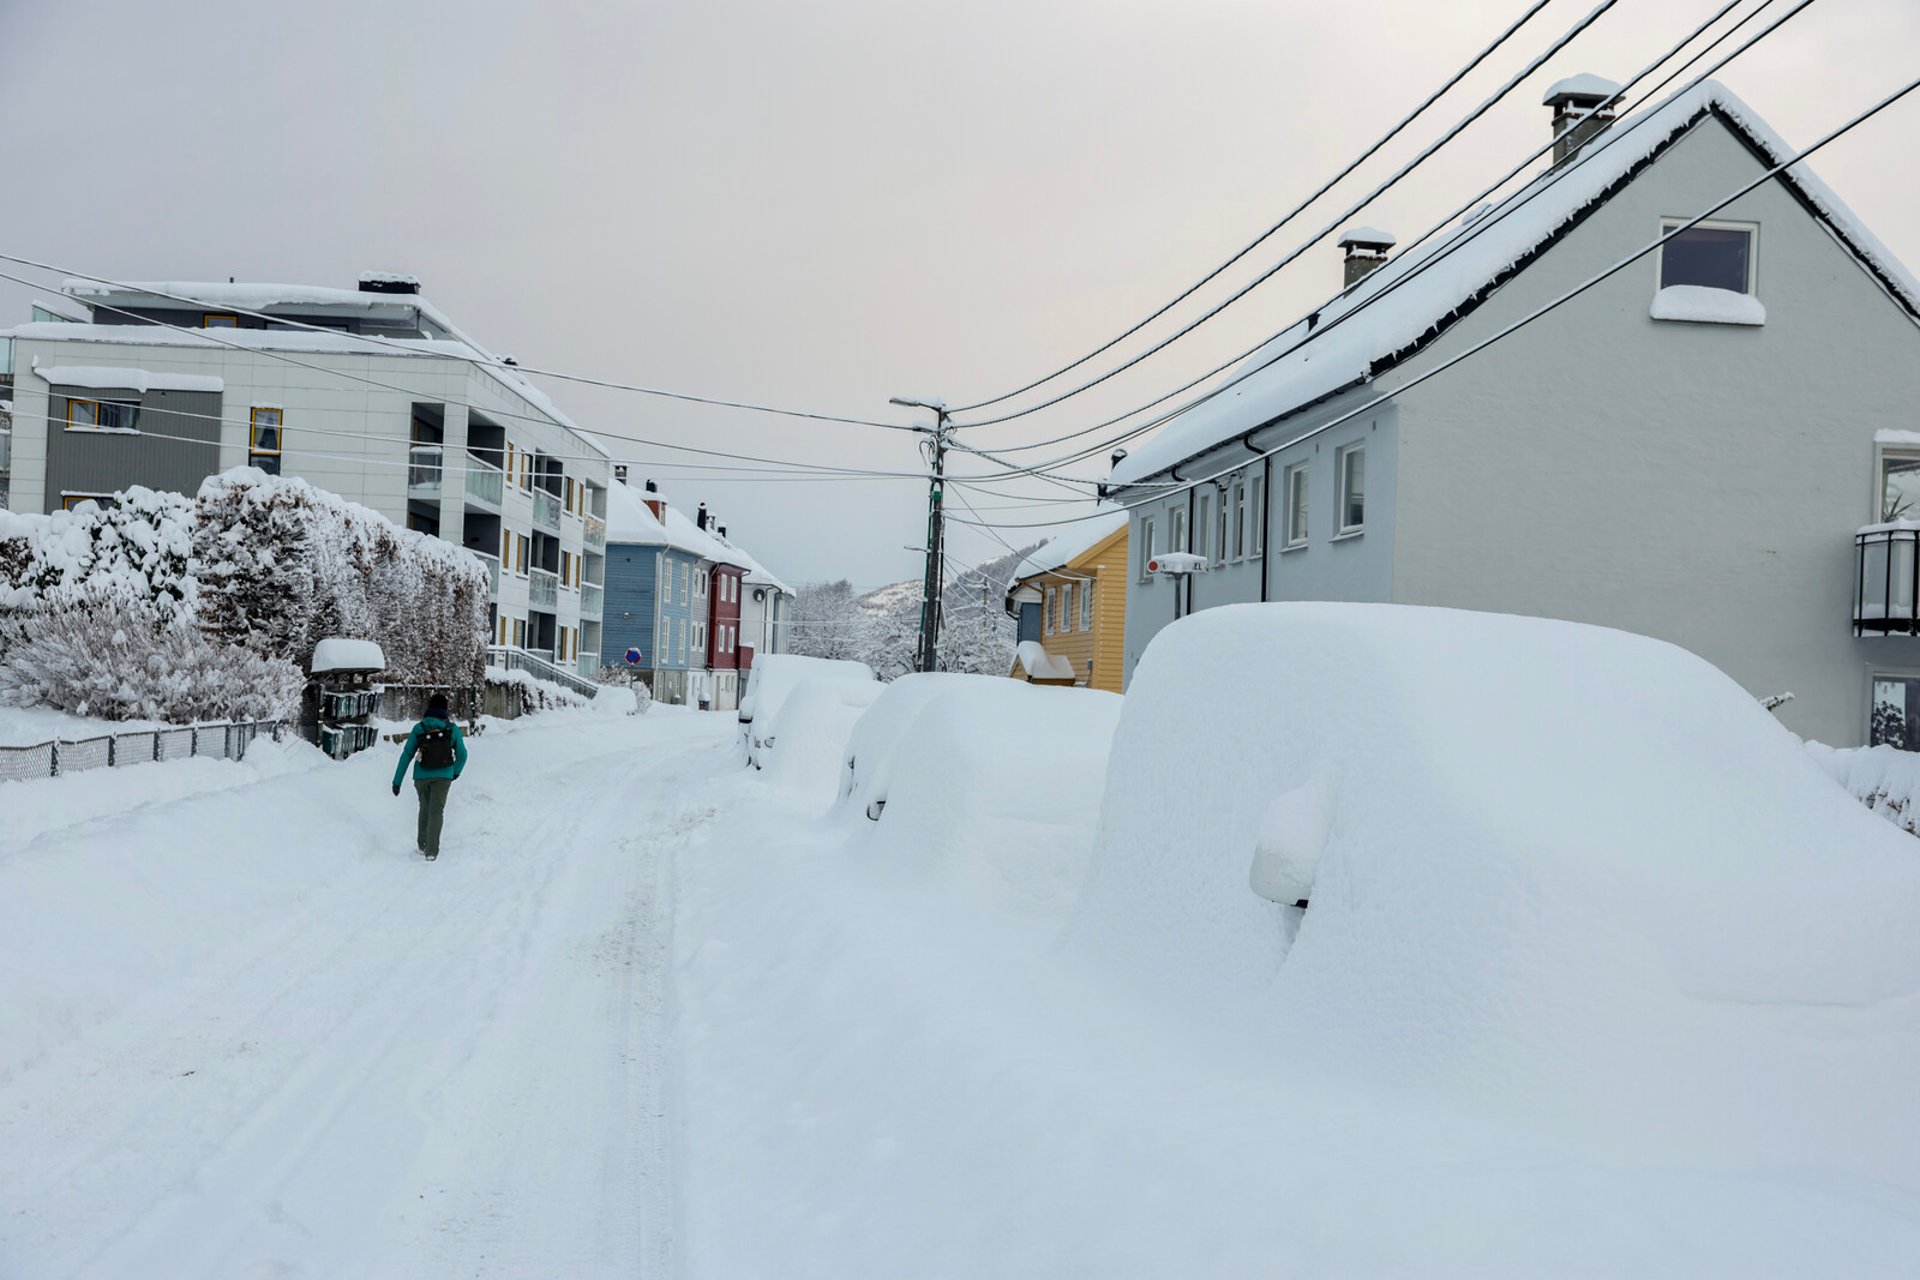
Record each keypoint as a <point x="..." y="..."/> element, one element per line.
<point x="653" y="1013"/>
<point x="248" y="1033"/>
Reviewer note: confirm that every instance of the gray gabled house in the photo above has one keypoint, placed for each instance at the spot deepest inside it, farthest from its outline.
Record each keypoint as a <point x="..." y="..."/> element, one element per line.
<point x="1713" y="446"/>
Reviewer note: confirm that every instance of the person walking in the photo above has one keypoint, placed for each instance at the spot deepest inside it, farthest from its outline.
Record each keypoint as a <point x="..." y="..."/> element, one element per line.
<point x="442" y="752"/>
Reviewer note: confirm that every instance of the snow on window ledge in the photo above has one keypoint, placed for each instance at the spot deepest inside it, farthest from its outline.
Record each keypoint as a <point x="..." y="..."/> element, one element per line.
<point x="1701" y="305"/>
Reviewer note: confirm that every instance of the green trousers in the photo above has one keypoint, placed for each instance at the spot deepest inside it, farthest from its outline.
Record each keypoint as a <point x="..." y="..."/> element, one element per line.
<point x="433" y="809"/>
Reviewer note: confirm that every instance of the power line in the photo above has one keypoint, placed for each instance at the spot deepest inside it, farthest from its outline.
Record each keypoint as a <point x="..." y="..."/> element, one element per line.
<point x="212" y="336"/>
<point x="1468" y="235"/>
<point x="1294" y="254"/>
<point x="1289" y="216"/>
<point x="1592" y="281"/>
<point x="483" y="358"/>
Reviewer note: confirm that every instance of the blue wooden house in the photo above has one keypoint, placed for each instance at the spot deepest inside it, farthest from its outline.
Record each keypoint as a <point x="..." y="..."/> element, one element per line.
<point x="656" y="598"/>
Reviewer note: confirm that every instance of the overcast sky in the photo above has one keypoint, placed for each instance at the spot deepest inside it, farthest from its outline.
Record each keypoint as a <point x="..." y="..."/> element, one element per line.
<point x="820" y="203"/>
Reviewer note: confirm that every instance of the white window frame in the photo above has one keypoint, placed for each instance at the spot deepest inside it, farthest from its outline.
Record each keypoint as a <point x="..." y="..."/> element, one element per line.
<point x="1177" y="531"/>
<point x="1148" y="532"/>
<point x="1067" y="614"/>
<point x="1202" y="531"/>
<point x="1753" y="249"/>
<point x="1258" y="538"/>
<point x="1086" y="606"/>
<point x="1297" y="523"/>
<point x="1239" y="522"/>
<point x="1343" y="464"/>
<point x="700" y="584"/>
<point x="1048" y="613"/>
<point x="1882" y="452"/>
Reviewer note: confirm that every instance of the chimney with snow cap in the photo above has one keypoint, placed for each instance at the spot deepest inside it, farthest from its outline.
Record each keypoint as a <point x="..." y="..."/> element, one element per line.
<point x="700" y="518"/>
<point x="656" y="503"/>
<point x="1583" y="106"/>
<point x="1366" y="250"/>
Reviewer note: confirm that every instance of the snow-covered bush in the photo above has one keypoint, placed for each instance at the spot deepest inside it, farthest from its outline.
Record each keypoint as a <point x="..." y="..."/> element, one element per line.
<point x="1884" y="779"/>
<point x="531" y="695"/>
<point x="135" y="552"/>
<point x="126" y="660"/>
<point x="282" y="565"/>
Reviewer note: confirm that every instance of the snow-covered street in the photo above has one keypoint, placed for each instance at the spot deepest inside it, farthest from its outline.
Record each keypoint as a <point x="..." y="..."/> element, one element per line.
<point x="260" y="1037"/>
<point x="656" y="1013"/>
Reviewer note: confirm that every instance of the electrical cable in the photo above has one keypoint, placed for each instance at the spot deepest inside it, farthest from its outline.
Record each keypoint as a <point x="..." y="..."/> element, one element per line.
<point x="1332" y="226"/>
<point x="1289" y="216"/>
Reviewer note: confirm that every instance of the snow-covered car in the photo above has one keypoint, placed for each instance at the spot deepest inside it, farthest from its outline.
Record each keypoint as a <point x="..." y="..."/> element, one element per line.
<point x="806" y="741"/>
<point x="769" y="682"/>
<point x="1573" y="880"/>
<point x="988" y="785"/>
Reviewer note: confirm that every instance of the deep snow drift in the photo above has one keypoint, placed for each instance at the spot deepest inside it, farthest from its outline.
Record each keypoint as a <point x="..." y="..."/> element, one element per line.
<point x="1575" y="878"/>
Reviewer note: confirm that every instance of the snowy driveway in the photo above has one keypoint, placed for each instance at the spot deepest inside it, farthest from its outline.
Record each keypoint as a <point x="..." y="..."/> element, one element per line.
<point x="264" y="1039"/>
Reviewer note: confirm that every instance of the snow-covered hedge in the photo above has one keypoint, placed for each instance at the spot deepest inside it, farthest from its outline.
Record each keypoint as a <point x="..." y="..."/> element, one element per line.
<point x="128" y="662"/>
<point x="136" y="552"/>
<point x="283" y="565"/>
<point x="1884" y="779"/>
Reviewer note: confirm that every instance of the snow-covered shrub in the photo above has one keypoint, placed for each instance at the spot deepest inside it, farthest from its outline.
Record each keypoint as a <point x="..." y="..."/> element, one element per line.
<point x="282" y="565"/>
<point x="531" y="695"/>
<point x="1884" y="779"/>
<point x="135" y="552"/>
<point x="126" y="660"/>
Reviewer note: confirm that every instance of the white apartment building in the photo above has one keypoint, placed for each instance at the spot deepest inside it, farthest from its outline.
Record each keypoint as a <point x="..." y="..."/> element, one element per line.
<point x="371" y="393"/>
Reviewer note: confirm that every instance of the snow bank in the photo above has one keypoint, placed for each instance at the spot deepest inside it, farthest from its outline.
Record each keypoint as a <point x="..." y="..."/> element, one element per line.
<point x="1884" y="779"/>
<point x="806" y="743"/>
<point x="993" y="786"/>
<point x="773" y="678"/>
<point x="1573" y="876"/>
<point x="1701" y="305"/>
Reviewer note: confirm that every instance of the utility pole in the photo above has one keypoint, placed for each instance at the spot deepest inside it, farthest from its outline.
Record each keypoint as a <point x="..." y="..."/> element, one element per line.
<point x="933" y="588"/>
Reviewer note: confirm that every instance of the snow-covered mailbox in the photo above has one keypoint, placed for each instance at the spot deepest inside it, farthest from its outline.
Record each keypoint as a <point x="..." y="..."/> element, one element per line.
<point x="342" y="694"/>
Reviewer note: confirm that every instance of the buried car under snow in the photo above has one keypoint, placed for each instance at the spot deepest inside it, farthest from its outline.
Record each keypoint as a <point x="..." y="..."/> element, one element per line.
<point x="771" y="680"/>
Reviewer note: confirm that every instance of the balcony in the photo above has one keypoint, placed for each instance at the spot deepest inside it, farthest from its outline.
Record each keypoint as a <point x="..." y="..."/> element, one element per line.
<point x="591" y="598"/>
<point x="1886" y="579"/>
<point x="546" y="511"/>
<point x="543" y="590"/>
<point x="424" y="471"/>
<point x="594" y="536"/>
<point x="493" y="573"/>
<point x="485" y="484"/>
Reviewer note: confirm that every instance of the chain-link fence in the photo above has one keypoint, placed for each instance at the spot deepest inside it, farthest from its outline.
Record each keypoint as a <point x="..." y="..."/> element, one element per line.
<point x="214" y="741"/>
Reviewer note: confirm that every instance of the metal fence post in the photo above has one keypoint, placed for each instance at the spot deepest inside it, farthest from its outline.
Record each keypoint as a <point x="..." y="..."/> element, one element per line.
<point x="111" y="743"/>
<point x="53" y="758"/>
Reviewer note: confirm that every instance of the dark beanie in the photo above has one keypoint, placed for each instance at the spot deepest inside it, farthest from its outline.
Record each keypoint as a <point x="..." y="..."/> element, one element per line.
<point x="437" y="705"/>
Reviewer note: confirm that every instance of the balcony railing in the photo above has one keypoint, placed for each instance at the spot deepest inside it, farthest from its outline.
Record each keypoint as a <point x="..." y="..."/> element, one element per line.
<point x="594" y="536"/>
<point x="546" y="511"/>
<point x="484" y="481"/>
<point x="423" y="471"/>
<point x="543" y="589"/>
<point x="539" y="664"/>
<point x="493" y="572"/>
<point x="591" y="598"/>
<point x="1886" y="579"/>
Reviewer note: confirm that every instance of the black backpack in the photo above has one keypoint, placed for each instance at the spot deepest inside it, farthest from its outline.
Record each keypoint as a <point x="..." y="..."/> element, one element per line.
<point x="436" y="748"/>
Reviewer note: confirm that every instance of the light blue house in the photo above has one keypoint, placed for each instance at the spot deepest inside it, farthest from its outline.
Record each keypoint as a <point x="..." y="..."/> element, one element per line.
<point x="656" y="598"/>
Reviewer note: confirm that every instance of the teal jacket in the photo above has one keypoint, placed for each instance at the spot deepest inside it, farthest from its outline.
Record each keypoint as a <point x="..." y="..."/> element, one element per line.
<point x="413" y="745"/>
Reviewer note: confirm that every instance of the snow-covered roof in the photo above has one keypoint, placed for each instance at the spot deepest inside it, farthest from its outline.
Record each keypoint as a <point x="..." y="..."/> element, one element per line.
<point x="631" y="521"/>
<point x="1075" y="542"/>
<point x="265" y="297"/>
<point x="1490" y="248"/>
<point x="98" y="377"/>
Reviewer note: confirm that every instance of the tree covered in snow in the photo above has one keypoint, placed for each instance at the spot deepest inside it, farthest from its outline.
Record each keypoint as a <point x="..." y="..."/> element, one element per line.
<point x="825" y="623"/>
<point x="125" y="659"/>
<point x="133" y="552"/>
<point x="882" y="628"/>
<point x="283" y="565"/>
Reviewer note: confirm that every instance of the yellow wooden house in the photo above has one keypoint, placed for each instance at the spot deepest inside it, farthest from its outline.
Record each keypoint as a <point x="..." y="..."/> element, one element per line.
<point x="1070" y="598"/>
